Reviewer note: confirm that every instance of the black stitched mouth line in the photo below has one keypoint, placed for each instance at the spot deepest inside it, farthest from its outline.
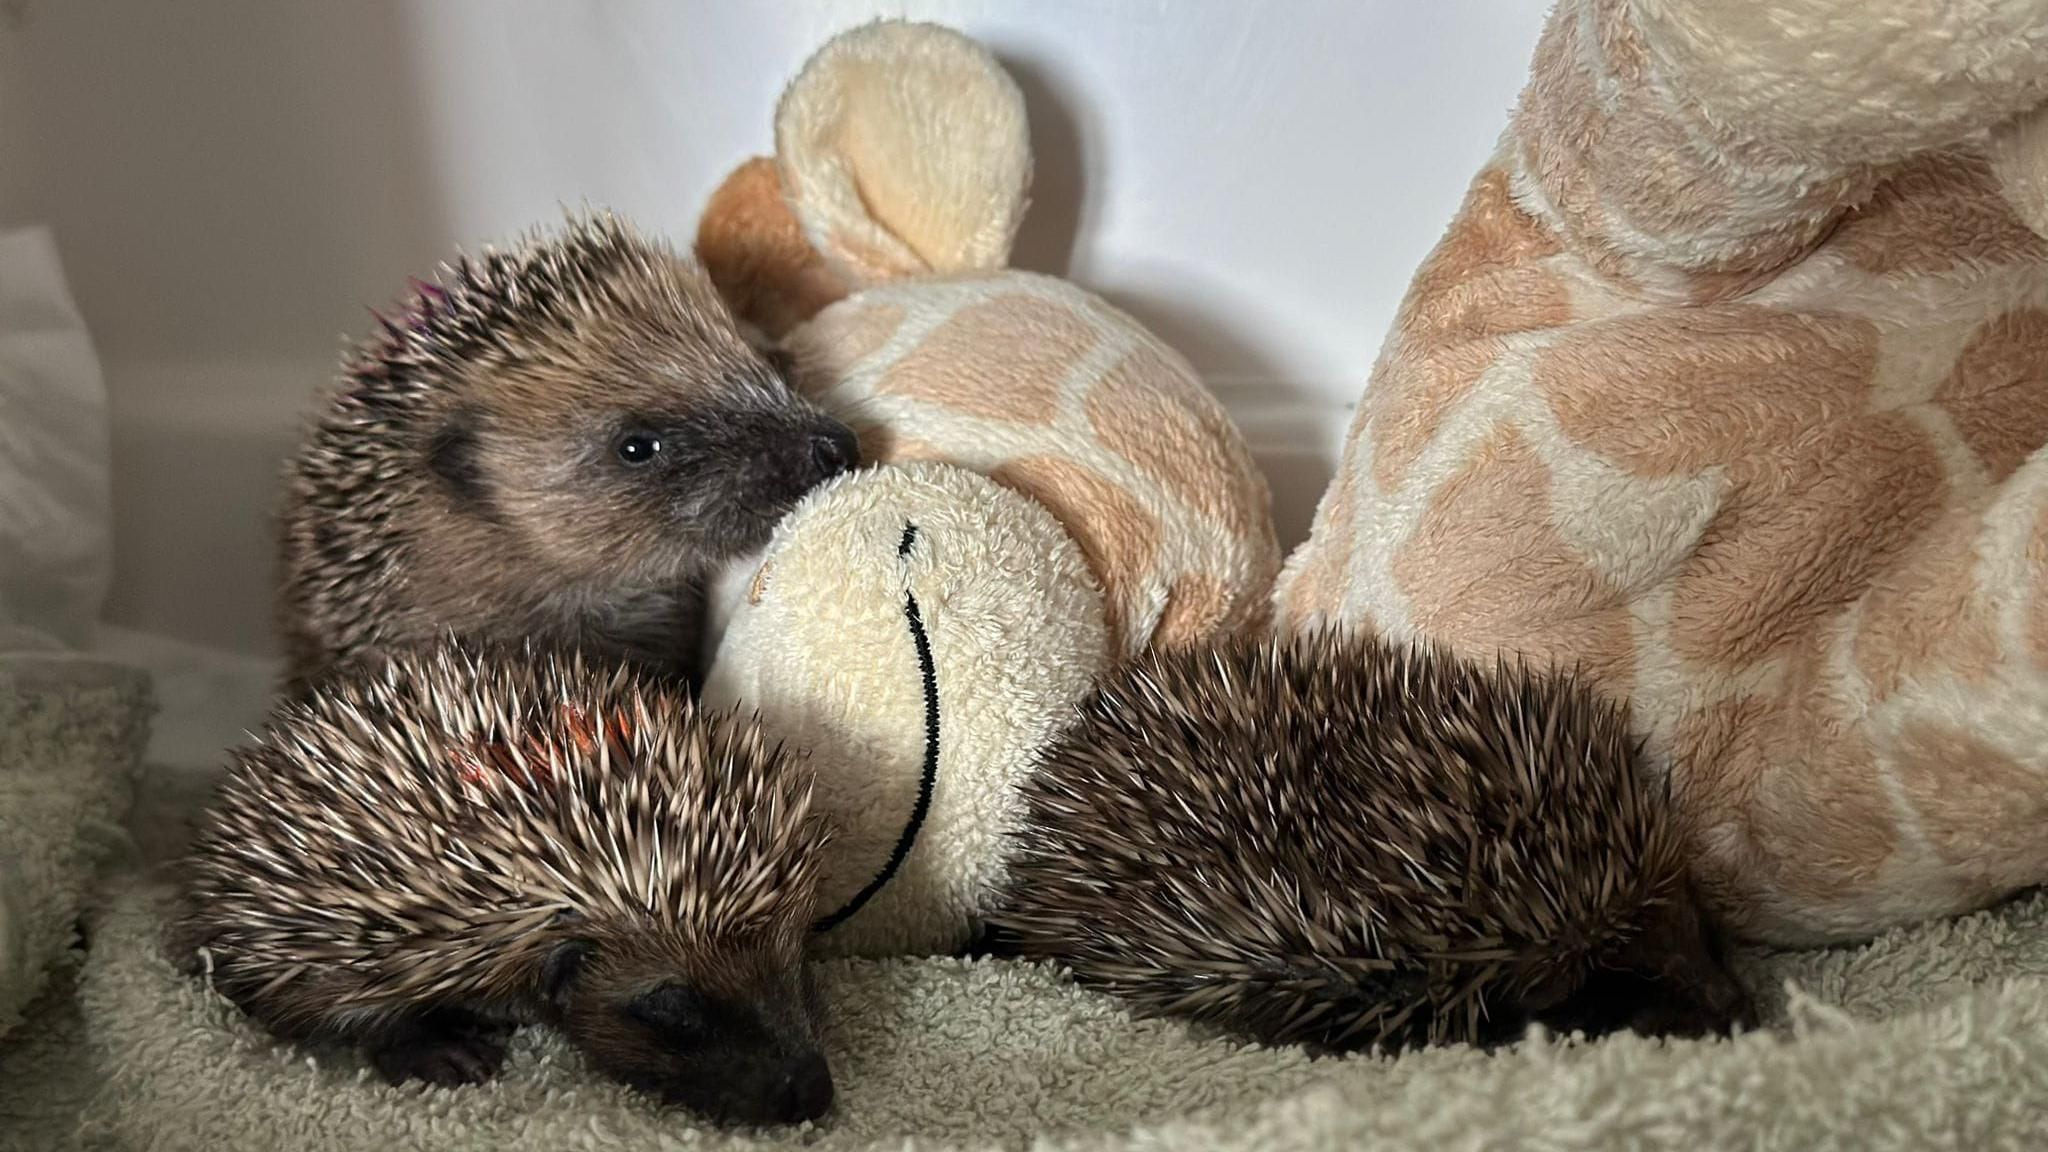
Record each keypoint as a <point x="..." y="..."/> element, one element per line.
<point x="930" y="776"/>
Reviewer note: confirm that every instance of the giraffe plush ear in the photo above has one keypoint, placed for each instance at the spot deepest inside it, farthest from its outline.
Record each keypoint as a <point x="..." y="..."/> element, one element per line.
<point x="755" y="253"/>
<point x="903" y="150"/>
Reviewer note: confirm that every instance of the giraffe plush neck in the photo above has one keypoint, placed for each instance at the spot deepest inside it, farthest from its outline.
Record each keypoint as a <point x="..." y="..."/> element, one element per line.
<point x="1728" y="383"/>
<point x="873" y="249"/>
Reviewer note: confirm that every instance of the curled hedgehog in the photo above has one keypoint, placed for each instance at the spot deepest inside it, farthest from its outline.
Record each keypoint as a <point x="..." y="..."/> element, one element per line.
<point x="1353" y="844"/>
<point x="560" y="441"/>
<point x="438" y="846"/>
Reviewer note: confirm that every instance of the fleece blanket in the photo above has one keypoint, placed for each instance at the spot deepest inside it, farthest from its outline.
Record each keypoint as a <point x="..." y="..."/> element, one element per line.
<point x="1930" y="1038"/>
<point x="71" y="734"/>
<point x="1934" y="1036"/>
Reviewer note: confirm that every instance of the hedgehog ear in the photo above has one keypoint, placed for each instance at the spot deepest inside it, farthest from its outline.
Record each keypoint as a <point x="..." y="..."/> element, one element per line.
<point x="782" y="360"/>
<point x="564" y="962"/>
<point x="453" y="455"/>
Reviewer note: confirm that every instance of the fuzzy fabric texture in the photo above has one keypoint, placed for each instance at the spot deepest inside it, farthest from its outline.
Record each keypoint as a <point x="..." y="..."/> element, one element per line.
<point x="907" y="620"/>
<point x="1048" y="390"/>
<point x="1931" y="1037"/>
<point x="56" y="476"/>
<point x="874" y="253"/>
<point x="72" y="732"/>
<point x="1728" y="384"/>
<point x="765" y="269"/>
<point x="904" y="153"/>
<point x="1935" y="1037"/>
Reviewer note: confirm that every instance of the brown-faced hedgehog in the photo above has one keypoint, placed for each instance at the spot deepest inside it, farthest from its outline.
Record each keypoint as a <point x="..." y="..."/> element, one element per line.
<point x="1353" y="844"/>
<point x="437" y="846"/>
<point x="557" y="441"/>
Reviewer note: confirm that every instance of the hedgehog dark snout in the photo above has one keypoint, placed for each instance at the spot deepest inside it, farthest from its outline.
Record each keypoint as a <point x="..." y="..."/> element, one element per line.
<point x="832" y="446"/>
<point x="820" y="449"/>
<point x="785" y="456"/>
<point x="786" y="1089"/>
<point x="733" y="1061"/>
<point x="778" y="455"/>
<point x="834" y="449"/>
<point x="1674" y="980"/>
<point x="730" y="1059"/>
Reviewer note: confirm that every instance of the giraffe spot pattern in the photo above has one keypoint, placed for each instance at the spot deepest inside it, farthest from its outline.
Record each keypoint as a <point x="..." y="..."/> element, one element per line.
<point x="1997" y="392"/>
<point x="1796" y="781"/>
<point x="1953" y="777"/>
<point x="842" y="336"/>
<point x="1937" y="210"/>
<point x="2037" y="584"/>
<point x="1676" y="391"/>
<point x="1479" y="285"/>
<point x="1000" y="359"/>
<point x="1795" y="652"/>
<point x="1140" y="412"/>
<point x="1481" y="573"/>
<point x="1801" y="535"/>
<point x="1198" y="605"/>
<point x="1117" y="536"/>
<point x="1928" y="616"/>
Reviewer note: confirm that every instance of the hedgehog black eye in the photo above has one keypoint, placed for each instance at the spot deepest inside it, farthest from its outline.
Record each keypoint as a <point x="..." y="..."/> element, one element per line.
<point x="672" y="1008"/>
<point x="639" y="447"/>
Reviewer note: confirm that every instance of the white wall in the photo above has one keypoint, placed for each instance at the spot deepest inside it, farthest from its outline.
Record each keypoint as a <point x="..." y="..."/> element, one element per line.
<point x="233" y="182"/>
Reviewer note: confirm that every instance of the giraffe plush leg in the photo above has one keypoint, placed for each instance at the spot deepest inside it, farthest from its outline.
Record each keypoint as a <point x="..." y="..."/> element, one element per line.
<point x="1899" y="768"/>
<point x="1691" y="148"/>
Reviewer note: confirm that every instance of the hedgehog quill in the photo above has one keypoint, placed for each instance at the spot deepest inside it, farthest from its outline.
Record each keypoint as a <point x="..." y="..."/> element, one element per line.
<point x="437" y="847"/>
<point x="560" y="441"/>
<point x="1352" y="844"/>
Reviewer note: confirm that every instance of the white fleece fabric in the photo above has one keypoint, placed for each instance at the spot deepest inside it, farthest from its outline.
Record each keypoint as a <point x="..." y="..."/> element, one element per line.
<point x="56" y="504"/>
<point x="1933" y="1037"/>
<point x="823" y="644"/>
<point x="71" y="736"/>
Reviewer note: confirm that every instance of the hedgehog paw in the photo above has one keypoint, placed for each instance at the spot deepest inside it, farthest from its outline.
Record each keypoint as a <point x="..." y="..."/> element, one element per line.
<point x="445" y="1049"/>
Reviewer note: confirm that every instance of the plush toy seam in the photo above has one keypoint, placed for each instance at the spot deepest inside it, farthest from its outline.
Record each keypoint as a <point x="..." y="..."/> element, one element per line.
<point x="927" y="779"/>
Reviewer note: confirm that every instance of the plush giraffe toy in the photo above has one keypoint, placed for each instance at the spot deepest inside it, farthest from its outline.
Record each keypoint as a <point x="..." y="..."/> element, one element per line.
<point x="921" y="633"/>
<point x="872" y="249"/>
<point x="1728" y="383"/>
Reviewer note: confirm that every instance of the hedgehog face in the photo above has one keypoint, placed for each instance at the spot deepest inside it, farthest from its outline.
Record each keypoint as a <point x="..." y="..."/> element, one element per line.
<point x="730" y="1037"/>
<point x="719" y="476"/>
<point x="641" y="463"/>
<point x="1673" y="978"/>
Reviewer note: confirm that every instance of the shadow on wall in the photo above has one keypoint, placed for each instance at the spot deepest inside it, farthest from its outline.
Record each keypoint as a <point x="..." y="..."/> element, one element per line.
<point x="1059" y="208"/>
<point x="1298" y="460"/>
<point x="1278" y="417"/>
<point x="225" y="137"/>
<point x="210" y="575"/>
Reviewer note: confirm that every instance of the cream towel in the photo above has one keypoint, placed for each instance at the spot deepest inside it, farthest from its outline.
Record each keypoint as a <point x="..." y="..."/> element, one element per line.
<point x="1931" y="1037"/>
<point x="71" y="735"/>
<point x="1934" y="1037"/>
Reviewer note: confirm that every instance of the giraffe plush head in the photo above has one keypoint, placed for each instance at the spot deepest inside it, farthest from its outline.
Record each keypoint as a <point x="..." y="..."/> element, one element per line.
<point x="920" y="633"/>
<point x="872" y="250"/>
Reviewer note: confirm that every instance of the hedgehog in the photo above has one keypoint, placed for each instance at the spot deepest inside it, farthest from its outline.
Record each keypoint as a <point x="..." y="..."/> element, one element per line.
<point x="561" y="440"/>
<point x="445" y="843"/>
<point x="1350" y="844"/>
